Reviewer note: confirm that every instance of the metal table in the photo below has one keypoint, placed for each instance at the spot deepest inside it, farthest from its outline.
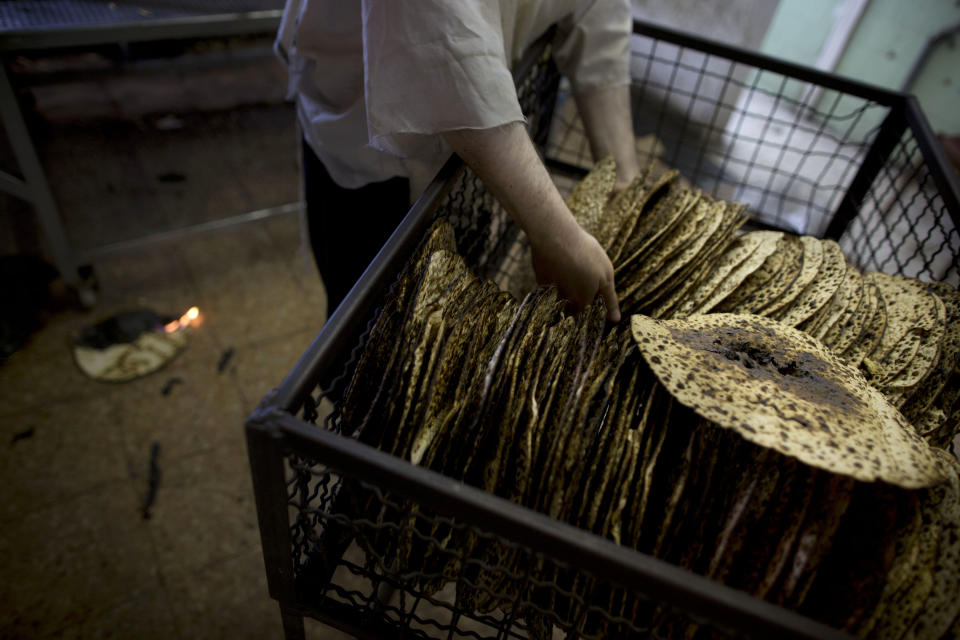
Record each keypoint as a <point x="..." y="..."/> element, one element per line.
<point x="45" y="25"/>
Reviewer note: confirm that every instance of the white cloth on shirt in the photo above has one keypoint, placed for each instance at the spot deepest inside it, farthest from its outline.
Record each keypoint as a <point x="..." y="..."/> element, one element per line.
<point x="375" y="84"/>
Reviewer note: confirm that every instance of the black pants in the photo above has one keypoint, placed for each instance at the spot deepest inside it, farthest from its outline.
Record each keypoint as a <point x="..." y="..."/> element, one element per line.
<point x="348" y="227"/>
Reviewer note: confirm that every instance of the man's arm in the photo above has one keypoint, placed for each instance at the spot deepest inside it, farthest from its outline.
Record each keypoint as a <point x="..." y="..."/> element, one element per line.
<point x="609" y="126"/>
<point x="563" y="253"/>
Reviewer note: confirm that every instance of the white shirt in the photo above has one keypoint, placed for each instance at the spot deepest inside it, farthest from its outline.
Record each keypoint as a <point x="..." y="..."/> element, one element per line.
<point x="375" y="84"/>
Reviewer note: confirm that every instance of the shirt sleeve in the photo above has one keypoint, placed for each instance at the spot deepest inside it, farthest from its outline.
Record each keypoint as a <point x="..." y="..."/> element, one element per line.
<point x="592" y="46"/>
<point x="432" y="66"/>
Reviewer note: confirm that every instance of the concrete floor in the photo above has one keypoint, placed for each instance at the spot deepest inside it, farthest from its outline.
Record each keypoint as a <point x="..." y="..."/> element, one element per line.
<point x="77" y="557"/>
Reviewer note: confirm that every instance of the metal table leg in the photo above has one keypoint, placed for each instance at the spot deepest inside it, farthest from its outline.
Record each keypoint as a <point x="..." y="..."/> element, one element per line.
<point x="33" y="188"/>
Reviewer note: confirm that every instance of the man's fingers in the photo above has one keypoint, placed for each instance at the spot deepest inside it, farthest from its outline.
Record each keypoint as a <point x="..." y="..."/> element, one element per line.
<point x="609" y="294"/>
<point x="577" y="302"/>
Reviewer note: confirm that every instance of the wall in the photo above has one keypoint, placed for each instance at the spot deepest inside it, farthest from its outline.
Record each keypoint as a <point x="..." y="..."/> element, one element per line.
<point x="886" y="42"/>
<point x="741" y="23"/>
<point x="738" y="22"/>
<point x="938" y="86"/>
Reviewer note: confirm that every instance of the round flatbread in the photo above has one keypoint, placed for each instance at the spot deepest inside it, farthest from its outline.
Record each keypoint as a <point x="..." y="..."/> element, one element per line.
<point x="779" y="388"/>
<point x="679" y="287"/>
<point x="637" y="210"/>
<point x="781" y="273"/>
<point x="810" y="267"/>
<point x="916" y="322"/>
<point x="843" y="305"/>
<point x="949" y="359"/>
<point x="621" y="211"/>
<point x="766" y="245"/>
<point x="875" y="319"/>
<point x="943" y="603"/>
<point x="125" y="361"/>
<point x="820" y="291"/>
<point x="589" y="197"/>
<point x="672" y="252"/>
<point x="850" y="324"/>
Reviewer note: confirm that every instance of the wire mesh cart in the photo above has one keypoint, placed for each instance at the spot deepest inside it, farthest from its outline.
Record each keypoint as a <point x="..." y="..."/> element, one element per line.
<point x="806" y="151"/>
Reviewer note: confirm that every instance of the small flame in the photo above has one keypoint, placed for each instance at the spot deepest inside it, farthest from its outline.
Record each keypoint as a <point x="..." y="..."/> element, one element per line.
<point x="191" y="317"/>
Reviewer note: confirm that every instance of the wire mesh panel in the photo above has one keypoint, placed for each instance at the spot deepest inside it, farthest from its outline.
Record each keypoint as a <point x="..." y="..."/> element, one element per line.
<point x="402" y="565"/>
<point x="904" y="225"/>
<point x="786" y="147"/>
<point x="740" y="133"/>
<point x="385" y="549"/>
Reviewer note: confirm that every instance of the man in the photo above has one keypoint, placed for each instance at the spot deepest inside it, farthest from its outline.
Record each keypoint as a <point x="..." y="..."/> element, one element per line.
<point x="385" y="90"/>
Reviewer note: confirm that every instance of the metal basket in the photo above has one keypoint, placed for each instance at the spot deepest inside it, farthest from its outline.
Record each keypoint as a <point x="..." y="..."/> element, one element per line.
<point x="805" y="150"/>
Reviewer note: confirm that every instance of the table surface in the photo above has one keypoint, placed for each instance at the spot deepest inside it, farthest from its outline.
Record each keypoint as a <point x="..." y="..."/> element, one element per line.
<point x="53" y="24"/>
<point x="39" y="15"/>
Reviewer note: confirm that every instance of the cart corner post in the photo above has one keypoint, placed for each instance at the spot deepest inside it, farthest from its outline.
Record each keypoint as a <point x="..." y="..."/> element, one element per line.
<point x="947" y="181"/>
<point x="891" y="130"/>
<point x="265" y="448"/>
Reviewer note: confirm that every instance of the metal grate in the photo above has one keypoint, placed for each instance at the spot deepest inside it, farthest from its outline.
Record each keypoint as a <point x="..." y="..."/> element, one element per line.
<point x="497" y="589"/>
<point x="741" y="133"/>
<point x="903" y="225"/>
<point x="790" y="149"/>
<point x="30" y="15"/>
<point x="806" y="151"/>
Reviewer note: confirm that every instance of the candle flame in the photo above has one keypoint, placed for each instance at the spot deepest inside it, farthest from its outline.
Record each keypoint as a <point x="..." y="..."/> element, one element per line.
<point x="191" y="317"/>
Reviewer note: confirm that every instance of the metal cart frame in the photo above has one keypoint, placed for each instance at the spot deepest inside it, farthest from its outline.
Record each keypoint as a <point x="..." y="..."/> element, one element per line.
<point x="282" y="442"/>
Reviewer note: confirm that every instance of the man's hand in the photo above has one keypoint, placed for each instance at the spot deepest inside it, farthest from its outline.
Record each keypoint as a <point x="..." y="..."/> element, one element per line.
<point x="572" y="259"/>
<point x="563" y="253"/>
